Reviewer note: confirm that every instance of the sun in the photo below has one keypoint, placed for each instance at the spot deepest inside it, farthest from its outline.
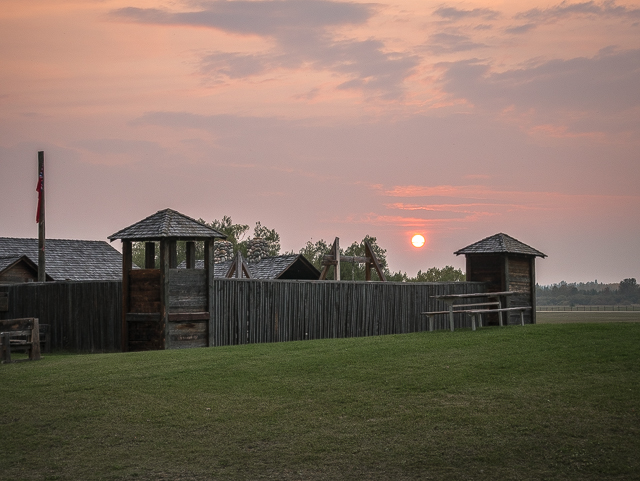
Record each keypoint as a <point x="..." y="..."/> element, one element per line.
<point x="417" y="240"/>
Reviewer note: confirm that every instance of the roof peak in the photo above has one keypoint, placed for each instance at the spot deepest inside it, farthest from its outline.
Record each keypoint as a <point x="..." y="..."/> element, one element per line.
<point x="167" y="223"/>
<point x="500" y="243"/>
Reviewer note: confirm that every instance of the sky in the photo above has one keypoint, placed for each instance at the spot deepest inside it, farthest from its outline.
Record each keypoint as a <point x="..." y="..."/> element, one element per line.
<point x="323" y="119"/>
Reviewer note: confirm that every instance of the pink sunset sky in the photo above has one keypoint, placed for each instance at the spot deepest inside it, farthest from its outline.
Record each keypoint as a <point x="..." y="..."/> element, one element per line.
<point x="456" y="120"/>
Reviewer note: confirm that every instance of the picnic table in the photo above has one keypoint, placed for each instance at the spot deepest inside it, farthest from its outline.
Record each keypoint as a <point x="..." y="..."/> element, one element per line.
<point x="450" y="300"/>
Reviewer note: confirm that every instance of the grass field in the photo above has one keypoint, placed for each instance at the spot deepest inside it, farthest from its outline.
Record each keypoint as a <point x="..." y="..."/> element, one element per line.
<point x="535" y="402"/>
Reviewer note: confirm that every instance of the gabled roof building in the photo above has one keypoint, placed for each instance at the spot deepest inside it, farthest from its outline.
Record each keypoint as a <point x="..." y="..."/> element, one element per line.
<point x="66" y="259"/>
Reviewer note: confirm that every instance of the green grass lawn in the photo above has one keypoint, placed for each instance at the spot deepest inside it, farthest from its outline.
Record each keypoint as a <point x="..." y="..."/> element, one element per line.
<point x="536" y="402"/>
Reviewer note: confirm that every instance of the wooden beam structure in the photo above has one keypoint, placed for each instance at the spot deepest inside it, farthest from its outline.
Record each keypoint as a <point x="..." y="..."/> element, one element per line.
<point x="239" y="267"/>
<point x="334" y="259"/>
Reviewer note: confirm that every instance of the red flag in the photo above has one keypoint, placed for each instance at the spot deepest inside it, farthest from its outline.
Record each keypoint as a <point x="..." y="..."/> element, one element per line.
<point x="39" y="189"/>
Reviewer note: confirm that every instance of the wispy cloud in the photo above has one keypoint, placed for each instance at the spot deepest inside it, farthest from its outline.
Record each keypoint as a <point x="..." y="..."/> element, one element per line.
<point x="567" y="9"/>
<point x="605" y="83"/>
<point x="303" y="35"/>
<point x="453" y="13"/>
<point x="443" y="43"/>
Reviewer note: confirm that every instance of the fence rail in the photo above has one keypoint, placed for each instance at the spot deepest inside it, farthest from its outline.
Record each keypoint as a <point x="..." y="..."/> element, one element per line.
<point x="86" y="316"/>
<point x="588" y="308"/>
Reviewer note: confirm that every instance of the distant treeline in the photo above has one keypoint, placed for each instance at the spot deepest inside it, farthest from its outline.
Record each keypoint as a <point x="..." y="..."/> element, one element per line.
<point x="589" y="293"/>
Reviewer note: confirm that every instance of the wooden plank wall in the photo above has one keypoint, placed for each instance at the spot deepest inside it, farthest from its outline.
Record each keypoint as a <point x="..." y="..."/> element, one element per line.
<point x="144" y="288"/>
<point x="84" y="316"/>
<point x="253" y="311"/>
<point x="520" y="281"/>
<point x="187" y="290"/>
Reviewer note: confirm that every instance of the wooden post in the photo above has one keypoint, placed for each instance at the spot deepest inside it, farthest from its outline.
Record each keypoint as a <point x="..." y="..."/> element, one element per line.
<point x="42" y="273"/>
<point x="522" y="317"/>
<point x="6" y="348"/>
<point x="209" y="266"/>
<point x="238" y="272"/>
<point x="173" y="254"/>
<point x="373" y="262"/>
<point x="127" y="264"/>
<point x="34" y="352"/>
<point x="532" y="293"/>
<point x="499" y="311"/>
<point x="165" y="248"/>
<point x="336" y="245"/>
<point x="473" y="322"/>
<point x="191" y="254"/>
<point x="451" y="316"/>
<point x="149" y="255"/>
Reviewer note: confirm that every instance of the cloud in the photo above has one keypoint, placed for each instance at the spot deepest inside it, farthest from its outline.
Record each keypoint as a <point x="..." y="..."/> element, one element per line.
<point x="264" y="18"/>
<point x="566" y="9"/>
<point x="441" y="43"/>
<point x="452" y="13"/>
<point x="302" y="34"/>
<point x="604" y="84"/>
<point x="520" y="29"/>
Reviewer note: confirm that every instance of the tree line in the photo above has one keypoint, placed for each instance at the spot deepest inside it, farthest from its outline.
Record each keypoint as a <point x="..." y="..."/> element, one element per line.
<point x="237" y="234"/>
<point x="591" y="293"/>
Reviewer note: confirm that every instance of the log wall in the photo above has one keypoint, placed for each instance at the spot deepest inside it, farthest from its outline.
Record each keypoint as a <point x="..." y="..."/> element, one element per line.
<point x="252" y="311"/>
<point x="84" y="316"/>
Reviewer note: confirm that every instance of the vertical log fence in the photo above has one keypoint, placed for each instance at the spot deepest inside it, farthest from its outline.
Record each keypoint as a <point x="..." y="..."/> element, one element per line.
<point x="86" y="316"/>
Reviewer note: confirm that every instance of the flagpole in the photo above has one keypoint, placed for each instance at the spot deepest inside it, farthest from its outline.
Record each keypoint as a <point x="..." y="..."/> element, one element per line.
<point x="42" y="276"/>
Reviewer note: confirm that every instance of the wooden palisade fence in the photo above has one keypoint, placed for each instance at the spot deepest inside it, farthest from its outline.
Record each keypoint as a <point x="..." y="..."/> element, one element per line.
<point x="83" y="316"/>
<point x="86" y="316"/>
<point x="256" y="311"/>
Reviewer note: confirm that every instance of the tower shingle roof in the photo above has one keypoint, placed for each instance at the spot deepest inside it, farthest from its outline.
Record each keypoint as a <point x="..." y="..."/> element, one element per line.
<point x="165" y="224"/>
<point x="500" y="243"/>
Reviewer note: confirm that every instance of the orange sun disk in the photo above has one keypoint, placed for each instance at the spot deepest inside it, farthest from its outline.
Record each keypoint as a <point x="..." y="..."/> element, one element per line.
<point x="417" y="240"/>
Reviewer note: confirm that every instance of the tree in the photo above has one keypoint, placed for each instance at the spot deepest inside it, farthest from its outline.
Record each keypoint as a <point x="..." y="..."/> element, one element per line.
<point x="433" y="274"/>
<point x="314" y="252"/>
<point x="629" y="290"/>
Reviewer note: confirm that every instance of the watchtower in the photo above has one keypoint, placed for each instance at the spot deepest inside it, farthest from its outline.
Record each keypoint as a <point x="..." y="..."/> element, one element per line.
<point x="505" y="264"/>
<point x="167" y="308"/>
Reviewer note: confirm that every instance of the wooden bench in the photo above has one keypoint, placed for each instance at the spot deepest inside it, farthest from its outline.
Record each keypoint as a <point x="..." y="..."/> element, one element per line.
<point x="474" y="312"/>
<point x="499" y="311"/>
<point x="20" y="335"/>
<point x="456" y="309"/>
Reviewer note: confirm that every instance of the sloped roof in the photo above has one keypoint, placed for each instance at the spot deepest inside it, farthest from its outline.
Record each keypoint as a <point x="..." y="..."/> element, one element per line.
<point x="165" y="224"/>
<point x="76" y="260"/>
<point x="500" y="243"/>
<point x="268" y="267"/>
<point x="7" y="262"/>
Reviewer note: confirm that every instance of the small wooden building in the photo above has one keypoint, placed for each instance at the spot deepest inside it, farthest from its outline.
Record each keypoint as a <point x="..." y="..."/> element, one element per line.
<point x="505" y="264"/>
<point x="286" y="266"/>
<point x="167" y="308"/>
<point x="18" y="269"/>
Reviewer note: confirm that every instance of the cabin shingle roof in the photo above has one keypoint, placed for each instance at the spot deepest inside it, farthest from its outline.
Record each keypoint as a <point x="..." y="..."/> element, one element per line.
<point x="76" y="260"/>
<point x="499" y="244"/>
<point x="165" y="224"/>
<point x="265" y="268"/>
